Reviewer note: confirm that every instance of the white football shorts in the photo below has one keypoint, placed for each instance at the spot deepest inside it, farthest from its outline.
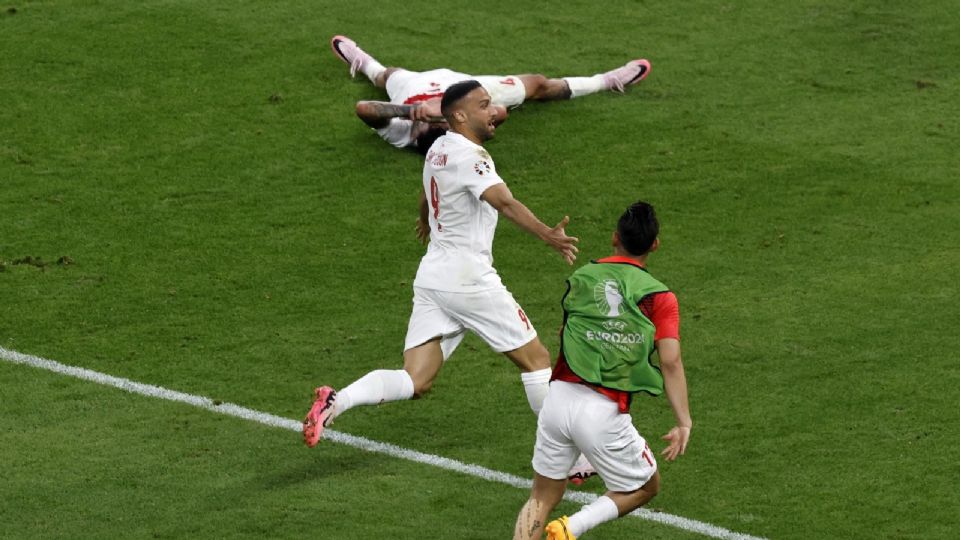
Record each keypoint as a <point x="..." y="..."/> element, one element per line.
<point x="504" y="90"/>
<point x="576" y="419"/>
<point x="492" y="314"/>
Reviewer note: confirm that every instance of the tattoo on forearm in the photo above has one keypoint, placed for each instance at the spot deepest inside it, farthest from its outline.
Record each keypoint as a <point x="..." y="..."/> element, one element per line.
<point x="391" y="110"/>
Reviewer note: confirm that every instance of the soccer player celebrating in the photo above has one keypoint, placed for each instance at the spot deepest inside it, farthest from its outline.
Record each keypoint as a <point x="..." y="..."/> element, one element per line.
<point x="412" y="118"/>
<point x="615" y="316"/>
<point x="456" y="287"/>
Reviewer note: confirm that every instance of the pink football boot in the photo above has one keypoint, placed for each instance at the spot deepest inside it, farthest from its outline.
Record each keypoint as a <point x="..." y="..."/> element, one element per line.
<point x="319" y="416"/>
<point x="632" y="73"/>
<point x="348" y="51"/>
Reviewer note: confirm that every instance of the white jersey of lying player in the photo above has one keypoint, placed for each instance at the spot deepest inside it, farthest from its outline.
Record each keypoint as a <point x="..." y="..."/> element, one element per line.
<point x="409" y="87"/>
<point x="459" y="256"/>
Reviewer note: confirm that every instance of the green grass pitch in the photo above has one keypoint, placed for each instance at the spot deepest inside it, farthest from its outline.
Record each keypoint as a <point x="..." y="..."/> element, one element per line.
<point x="187" y="200"/>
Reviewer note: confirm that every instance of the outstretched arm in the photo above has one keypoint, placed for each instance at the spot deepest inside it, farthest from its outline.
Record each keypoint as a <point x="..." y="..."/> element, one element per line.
<point x="377" y="114"/>
<point x="499" y="197"/>
<point x="675" y="384"/>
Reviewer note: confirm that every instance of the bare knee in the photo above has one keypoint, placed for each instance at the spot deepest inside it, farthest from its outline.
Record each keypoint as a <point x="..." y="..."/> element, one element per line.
<point x="381" y="81"/>
<point x="628" y="501"/>
<point x="539" y="87"/>
<point x="547" y="491"/>
<point x="423" y="364"/>
<point x="535" y="85"/>
<point x="531" y="357"/>
<point x="422" y="381"/>
<point x="647" y="492"/>
<point x="652" y="487"/>
<point x="420" y="389"/>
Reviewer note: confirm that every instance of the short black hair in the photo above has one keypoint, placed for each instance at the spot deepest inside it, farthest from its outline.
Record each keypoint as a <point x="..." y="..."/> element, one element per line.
<point x="426" y="139"/>
<point x="453" y="94"/>
<point x="638" y="228"/>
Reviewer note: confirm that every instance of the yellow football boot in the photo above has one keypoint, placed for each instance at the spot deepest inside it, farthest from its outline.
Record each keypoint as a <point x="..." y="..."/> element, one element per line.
<point x="558" y="529"/>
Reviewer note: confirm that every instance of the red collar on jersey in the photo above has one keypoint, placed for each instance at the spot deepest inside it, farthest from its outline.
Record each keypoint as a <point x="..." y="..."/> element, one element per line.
<point x="620" y="259"/>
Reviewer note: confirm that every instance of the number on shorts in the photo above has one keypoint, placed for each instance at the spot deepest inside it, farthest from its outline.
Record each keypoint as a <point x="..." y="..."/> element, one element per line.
<point x="646" y="454"/>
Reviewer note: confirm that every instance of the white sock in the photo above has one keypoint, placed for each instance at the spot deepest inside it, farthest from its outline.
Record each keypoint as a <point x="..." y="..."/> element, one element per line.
<point x="374" y="388"/>
<point x="372" y="69"/>
<point x="582" y="86"/>
<point x="536" y="384"/>
<point x="593" y="514"/>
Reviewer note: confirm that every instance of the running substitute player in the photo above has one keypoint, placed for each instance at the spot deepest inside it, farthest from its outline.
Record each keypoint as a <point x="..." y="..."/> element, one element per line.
<point x="616" y="315"/>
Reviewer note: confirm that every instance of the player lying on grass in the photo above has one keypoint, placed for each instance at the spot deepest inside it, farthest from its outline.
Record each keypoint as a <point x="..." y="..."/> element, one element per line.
<point x="615" y="316"/>
<point x="456" y="287"/>
<point x="412" y="117"/>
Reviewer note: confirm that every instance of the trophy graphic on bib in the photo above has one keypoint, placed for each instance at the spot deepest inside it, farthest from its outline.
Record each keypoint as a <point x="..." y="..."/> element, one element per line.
<point x="608" y="297"/>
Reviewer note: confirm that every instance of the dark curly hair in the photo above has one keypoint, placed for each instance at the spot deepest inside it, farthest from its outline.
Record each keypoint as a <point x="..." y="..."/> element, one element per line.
<point x="425" y="140"/>
<point x="638" y="228"/>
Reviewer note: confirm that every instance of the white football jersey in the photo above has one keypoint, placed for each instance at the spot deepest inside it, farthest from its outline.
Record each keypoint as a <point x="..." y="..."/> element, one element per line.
<point x="410" y="87"/>
<point x="459" y="256"/>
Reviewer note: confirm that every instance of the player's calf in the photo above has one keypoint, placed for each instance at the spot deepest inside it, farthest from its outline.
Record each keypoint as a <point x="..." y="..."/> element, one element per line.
<point x="540" y="88"/>
<point x="544" y="497"/>
<point x="422" y="363"/>
<point x="628" y="502"/>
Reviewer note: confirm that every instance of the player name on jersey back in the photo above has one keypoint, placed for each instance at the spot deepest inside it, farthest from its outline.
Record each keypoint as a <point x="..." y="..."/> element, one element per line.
<point x="459" y="256"/>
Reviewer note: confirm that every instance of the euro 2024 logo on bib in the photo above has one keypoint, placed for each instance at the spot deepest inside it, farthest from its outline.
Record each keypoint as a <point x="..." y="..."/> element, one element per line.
<point x="608" y="297"/>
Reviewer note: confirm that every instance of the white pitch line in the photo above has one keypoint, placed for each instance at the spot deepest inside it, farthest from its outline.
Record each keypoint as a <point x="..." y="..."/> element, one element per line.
<point x="362" y="443"/>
